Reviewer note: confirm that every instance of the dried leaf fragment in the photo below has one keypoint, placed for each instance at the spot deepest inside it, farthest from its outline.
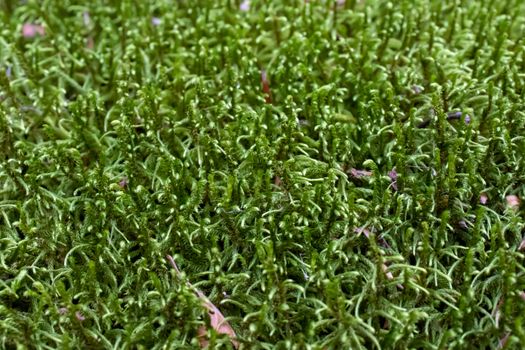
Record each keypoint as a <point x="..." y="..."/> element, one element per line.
<point x="245" y="6"/>
<point x="363" y="230"/>
<point x="389" y="275"/>
<point x="483" y="198"/>
<point x="217" y="319"/>
<point x="513" y="201"/>
<point x="522" y="244"/>
<point x="266" y="87"/>
<point x="358" y="174"/>
<point x="392" y="174"/>
<point x="156" y="21"/>
<point x="30" y="30"/>
<point x="503" y="341"/>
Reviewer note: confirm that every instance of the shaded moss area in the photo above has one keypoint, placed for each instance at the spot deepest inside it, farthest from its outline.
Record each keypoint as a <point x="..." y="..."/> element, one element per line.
<point x="331" y="174"/>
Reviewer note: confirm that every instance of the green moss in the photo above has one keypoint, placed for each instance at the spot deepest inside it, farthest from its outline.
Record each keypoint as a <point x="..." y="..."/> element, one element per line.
<point x="258" y="148"/>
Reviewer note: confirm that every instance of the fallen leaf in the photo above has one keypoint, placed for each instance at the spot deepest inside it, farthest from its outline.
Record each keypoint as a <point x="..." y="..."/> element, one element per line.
<point x="30" y="30"/>
<point x="362" y="230"/>
<point x="217" y="319"/>
<point x="389" y="275"/>
<point x="124" y="182"/>
<point x="497" y="313"/>
<point x="357" y="173"/>
<point x="79" y="316"/>
<point x="458" y="115"/>
<point x="156" y="21"/>
<point x="513" y="201"/>
<point x="86" y="18"/>
<point x="392" y="174"/>
<point x="483" y="198"/>
<point x="522" y="244"/>
<point x="503" y="341"/>
<point x="266" y="87"/>
<point x="90" y="43"/>
<point x="417" y="89"/>
<point x="245" y="6"/>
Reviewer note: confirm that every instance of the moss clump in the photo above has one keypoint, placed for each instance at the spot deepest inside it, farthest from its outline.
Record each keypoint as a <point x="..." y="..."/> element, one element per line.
<point x="330" y="174"/>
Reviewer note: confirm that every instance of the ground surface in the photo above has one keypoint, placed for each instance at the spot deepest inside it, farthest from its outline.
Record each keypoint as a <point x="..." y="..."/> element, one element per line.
<point x="329" y="174"/>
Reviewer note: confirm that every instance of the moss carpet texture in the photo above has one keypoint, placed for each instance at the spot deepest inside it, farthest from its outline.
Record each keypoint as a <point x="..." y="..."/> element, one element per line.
<point x="325" y="174"/>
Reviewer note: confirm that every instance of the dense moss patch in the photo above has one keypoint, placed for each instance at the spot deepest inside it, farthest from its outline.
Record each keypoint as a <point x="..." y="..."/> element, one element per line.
<point x="331" y="174"/>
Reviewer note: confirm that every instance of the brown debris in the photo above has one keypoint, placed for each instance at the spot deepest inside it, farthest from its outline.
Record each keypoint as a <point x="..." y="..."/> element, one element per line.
<point x="217" y="319"/>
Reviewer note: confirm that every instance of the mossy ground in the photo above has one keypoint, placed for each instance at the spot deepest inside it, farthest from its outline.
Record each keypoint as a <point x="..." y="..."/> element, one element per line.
<point x="330" y="174"/>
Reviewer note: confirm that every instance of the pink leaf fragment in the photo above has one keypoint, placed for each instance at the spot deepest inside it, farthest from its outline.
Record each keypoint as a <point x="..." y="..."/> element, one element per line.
<point x="384" y="243"/>
<point x="497" y="313"/>
<point x="266" y="87"/>
<point x="90" y="43"/>
<point x="483" y="198"/>
<point x="124" y="182"/>
<point x="503" y="341"/>
<point x="79" y="316"/>
<point x="86" y="18"/>
<point x="30" y="30"/>
<point x="389" y="275"/>
<point x="367" y="232"/>
<point x="217" y="319"/>
<point x="156" y="21"/>
<point x="392" y="174"/>
<point x="497" y="316"/>
<point x="362" y="230"/>
<point x="360" y="173"/>
<point x="245" y="6"/>
<point x="417" y="89"/>
<point x="522" y="244"/>
<point x="264" y="77"/>
<point x="513" y="201"/>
